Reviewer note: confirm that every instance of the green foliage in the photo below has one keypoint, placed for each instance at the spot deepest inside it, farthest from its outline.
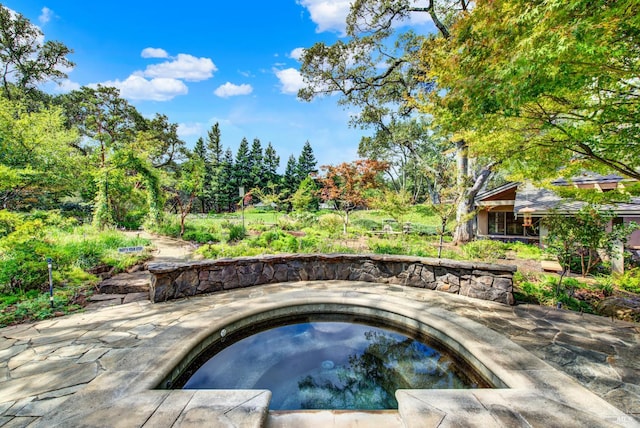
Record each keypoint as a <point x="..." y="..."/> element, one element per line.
<point x="581" y="235"/>
<point x="26" y="60"/>
<point x="485" y="249"/>
<point x="383" y="246"/>
<point x="37" y="162"/>
<point x="200" y="236"/>
<point x="366" y="224"/>
<point x="526" y="251"/>
<point x="8" y="222"/>
<point x="332" y="223"/>
<point x="305" y="197"/>
<point x="628" y="281"/>
<point x="304" y="219"/>
<point x="237" y="232"/>
<point x="43" y="235"/>
<point x="241" y="249"/>
<point x="542" y="85"/>
<point x="14" y="309"/>
<point x="396" y="204"/>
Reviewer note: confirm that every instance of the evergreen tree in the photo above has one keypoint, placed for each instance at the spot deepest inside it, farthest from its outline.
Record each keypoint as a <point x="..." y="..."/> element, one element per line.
<point x="200" y="153"/>
<point x="306" y="196"/>
<point x="290" y="179"/>
<point x="216" y="157"/>
<point x="242" y="166"/>
<point x="256" y="163"/>
<point x="228" y="189"/>
<point x="306" y="163"/>
<point x="271" y="164"/>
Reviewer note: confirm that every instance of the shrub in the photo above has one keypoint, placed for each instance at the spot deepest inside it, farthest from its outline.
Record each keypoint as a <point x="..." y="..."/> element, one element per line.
<point x="381" y="246"/>
<point x="214" y="251"/>
<point x="9" y="221"/>
<point x="526" y="251"/>
<point x="200" y="236"/>
<point x="366" y="224"/>
<point x="485" y="249"/>
<point x="308" y="244"/>
<point x="236" y="233"/>
<point x="628" y="281"/>
<point x="304" y="219"/>
<point x="331" y="223"/>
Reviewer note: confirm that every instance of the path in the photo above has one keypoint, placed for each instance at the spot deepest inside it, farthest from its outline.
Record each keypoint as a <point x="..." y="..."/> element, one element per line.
<point x="167" y="249"/>
<point x="133" y="286"/>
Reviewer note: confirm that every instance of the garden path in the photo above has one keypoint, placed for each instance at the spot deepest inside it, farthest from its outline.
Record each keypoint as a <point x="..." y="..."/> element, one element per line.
<point x="134" y="285"/>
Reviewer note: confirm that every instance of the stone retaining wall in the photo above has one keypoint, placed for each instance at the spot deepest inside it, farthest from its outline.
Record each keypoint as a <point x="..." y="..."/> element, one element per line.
<point x="480" y="280"/>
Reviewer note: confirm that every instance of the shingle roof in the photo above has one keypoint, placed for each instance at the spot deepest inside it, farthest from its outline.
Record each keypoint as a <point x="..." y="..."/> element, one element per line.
<point x="543" y="201"/>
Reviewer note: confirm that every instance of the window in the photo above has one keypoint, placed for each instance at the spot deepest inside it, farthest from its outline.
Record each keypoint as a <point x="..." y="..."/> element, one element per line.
<point x="505" y="223"/>
<point x="496" y="223"/>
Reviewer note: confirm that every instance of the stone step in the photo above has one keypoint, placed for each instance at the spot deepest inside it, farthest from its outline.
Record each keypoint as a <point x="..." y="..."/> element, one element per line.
<point x="125" y="283"/>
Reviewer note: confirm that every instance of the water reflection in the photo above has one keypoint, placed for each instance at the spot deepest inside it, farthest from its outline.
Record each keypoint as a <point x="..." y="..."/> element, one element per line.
<point x="329" y="365"/>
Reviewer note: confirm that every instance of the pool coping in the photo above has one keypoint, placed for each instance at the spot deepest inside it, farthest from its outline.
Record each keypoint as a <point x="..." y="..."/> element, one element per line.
<point x="536" y="393"/>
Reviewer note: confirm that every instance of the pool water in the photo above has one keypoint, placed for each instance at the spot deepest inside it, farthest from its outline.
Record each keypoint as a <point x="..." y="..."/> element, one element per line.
<point x="329" y="365"/>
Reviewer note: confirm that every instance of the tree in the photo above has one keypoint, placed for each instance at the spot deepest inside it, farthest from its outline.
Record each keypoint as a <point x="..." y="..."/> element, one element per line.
<point x="158" y="139"/>
<point x="242" y="166"/>
<point x="418" y="156"/>
<point x="228" y="186"/>
<point x="269" y="196"/>
<point x="256" y="171"/>
<point x="346" y="185"/>
<point x="383" y="74"/>
<point x="216" y="156"/>
<point x="38" y="163"/>
<point x="306" y="162"/>
<point x="188" y="184"/>
<point x="553" y="85"/>
<point x="271" y="165"/>
<point x="290" y="181"/>
<point x="395" y="204"/>
<point x="200" y="151"/>
<point x="110" y="124"/>
<point x="583" y="235"/>
<point x="306" y="197"/>
<point x="25" y="61"/>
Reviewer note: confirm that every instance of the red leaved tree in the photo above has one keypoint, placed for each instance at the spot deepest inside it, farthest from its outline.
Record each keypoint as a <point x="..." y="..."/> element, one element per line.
<point x="346" y="185"/>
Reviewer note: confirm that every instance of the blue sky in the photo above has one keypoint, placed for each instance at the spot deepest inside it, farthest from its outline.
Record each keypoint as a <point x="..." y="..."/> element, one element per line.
<point x="202" y="62"/>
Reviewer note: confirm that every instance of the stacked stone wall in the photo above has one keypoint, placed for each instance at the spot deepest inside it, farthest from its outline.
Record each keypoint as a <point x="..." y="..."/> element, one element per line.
<point x="479" y="280"/>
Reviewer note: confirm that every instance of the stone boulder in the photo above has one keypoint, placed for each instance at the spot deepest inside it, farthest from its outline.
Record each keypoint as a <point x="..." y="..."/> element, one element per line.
<point x="626" y="308"/>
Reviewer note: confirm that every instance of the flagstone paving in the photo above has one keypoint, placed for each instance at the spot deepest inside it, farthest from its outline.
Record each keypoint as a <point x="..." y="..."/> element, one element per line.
<point x="100" y="368"/>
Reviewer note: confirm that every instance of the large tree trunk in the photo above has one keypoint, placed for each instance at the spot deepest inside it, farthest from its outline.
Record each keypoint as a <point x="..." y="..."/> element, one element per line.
<point x="469" y="189"/>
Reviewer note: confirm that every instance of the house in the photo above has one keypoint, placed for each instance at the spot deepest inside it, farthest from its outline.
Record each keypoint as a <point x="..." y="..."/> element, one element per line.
<point x="512" y="212"/>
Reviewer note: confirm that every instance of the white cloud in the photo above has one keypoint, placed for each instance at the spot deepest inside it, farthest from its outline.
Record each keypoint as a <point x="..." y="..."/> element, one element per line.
<point x="190" y="129"/>
<point x="136" y="87"/>
<point x="290" y="79"/>
<point x="328" y="15"/>
<point x="45" y="16"/>
<point x="297" y="53"/>
<point x="230" y="90"/>
<point x="184" y="66"/>
<point x="67" y="85"/>
<point x="154" y="53"/>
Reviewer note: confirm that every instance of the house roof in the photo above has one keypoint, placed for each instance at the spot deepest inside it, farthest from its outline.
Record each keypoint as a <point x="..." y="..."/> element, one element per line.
<point x="544" y="201"/>
<point x="489" y="193"/>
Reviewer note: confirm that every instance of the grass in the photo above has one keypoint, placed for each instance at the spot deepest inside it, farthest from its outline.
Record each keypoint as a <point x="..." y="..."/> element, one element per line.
<point x="73" y="250"/>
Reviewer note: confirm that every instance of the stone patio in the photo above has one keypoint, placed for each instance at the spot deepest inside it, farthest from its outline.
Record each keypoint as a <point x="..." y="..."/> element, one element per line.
<point x="100" y="368"/>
